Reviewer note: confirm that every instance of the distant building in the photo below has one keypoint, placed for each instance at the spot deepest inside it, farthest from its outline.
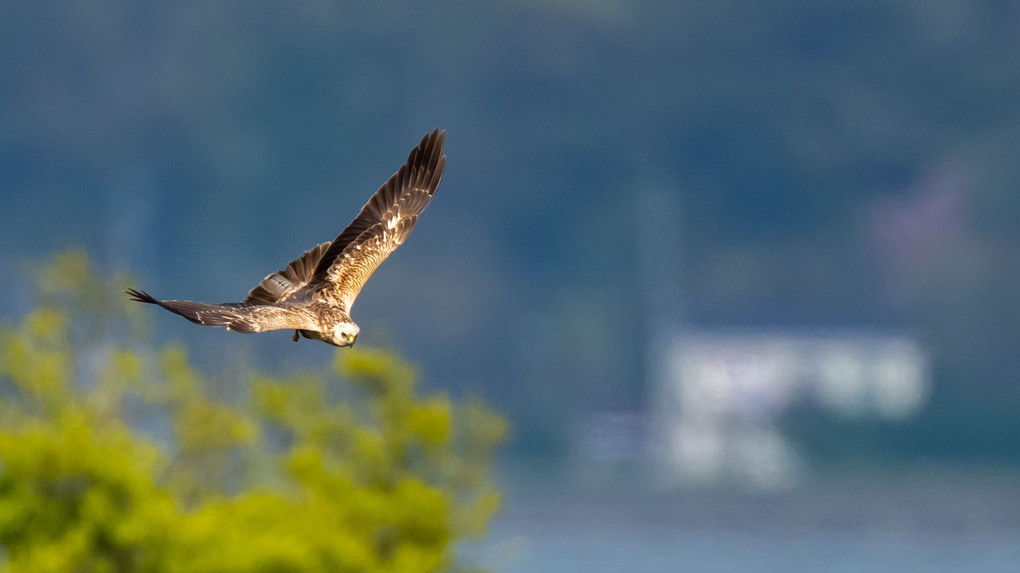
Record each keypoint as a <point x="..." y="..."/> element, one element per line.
<point x="717" y="395"/>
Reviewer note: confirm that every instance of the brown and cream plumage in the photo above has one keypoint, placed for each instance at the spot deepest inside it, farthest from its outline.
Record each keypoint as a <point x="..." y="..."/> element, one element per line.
<point x="314" y="294"/>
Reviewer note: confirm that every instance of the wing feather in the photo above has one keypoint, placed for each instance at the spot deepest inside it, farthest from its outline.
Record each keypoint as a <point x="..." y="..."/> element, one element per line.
<point x="363" y="256"/>
<point x="280" y="285"/>
<point x="235" y="316"/>
<point x="404" y="195"/>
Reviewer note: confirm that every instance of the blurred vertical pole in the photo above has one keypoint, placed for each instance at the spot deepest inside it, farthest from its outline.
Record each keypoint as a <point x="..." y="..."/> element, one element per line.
<point x="129" y="222"/>
<point x="126" y="229"/>
<point x="660" y="256"/>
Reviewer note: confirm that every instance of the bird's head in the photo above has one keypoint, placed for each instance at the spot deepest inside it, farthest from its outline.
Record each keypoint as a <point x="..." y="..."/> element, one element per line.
<point x="343" y="334"/>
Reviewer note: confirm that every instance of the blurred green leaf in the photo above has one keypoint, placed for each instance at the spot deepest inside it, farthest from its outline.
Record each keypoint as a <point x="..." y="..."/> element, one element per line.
<point x="343" y="470"/>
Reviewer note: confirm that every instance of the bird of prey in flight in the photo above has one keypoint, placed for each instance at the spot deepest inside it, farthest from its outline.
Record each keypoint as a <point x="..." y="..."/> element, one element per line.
<point x="314" y="294"/>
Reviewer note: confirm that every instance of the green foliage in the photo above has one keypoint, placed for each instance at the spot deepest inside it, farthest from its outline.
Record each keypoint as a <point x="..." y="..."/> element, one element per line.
<point x="344" y="470"/>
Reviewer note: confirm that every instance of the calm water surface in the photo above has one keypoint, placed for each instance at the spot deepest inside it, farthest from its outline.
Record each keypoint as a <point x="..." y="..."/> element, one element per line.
<point x="926" y="521"/>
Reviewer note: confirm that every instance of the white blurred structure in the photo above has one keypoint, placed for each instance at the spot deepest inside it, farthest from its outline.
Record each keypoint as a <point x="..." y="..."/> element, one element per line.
<point x="717" y="395"/>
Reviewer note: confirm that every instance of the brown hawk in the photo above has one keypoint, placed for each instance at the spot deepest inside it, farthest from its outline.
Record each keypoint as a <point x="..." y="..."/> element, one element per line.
<point x="314" y="294"/>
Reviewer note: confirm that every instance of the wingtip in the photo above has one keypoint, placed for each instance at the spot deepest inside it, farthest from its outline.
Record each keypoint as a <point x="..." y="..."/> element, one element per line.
<point x="429" y="154"/>
<point x="141" y="296"/>
<point x="434" y="140"/>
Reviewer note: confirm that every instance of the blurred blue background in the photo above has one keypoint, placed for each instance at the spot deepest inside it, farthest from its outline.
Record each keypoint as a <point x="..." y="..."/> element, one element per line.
<point x="744" y="275"/>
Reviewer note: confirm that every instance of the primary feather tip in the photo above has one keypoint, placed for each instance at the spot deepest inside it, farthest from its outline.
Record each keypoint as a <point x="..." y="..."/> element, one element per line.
<point x="141" y="296"/>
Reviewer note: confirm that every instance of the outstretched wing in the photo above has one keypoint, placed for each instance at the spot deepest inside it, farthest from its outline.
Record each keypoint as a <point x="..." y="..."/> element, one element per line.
<point x="384" y="222"/>
<point x="282" y="284"/>
<point x="235" y="316"/>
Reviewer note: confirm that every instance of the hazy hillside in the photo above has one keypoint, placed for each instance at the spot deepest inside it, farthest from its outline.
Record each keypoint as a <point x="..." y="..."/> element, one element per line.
<point x="828" y="164"/>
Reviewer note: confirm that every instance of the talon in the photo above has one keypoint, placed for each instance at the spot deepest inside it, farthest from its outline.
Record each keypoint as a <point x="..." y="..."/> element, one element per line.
<point x="295" y="336"/>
